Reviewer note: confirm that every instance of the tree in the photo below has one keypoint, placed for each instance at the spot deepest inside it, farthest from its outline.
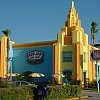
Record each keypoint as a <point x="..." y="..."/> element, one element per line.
<point x="25" y="76"/>
<point x="7" y="32"/>
<point x="93" y="31"/>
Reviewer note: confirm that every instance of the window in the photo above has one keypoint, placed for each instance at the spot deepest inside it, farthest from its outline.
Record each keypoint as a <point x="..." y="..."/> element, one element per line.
<point x="84" y="57"/>
<point x="67" y="56"/>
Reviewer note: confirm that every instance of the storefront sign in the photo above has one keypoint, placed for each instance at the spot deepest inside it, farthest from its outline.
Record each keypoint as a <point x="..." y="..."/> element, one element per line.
<point x="35" y="57"/>
<point x="95" y="55"/>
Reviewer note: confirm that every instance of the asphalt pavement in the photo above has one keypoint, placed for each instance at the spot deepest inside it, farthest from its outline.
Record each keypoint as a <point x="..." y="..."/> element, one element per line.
<point x="91" y="95"/>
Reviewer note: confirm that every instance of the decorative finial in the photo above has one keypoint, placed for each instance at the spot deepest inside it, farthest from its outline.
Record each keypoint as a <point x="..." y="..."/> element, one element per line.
<point x="72" y="4"/>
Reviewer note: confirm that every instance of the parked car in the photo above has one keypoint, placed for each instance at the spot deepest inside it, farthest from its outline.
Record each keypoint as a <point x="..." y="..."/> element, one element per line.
<point x="21" y="83"/>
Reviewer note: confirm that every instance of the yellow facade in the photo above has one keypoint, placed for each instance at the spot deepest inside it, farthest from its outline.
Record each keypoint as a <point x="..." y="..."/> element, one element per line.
<point x="72" y="38"/>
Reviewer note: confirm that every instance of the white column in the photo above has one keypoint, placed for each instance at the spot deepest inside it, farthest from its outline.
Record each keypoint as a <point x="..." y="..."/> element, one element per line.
<point x="97" y="75"/>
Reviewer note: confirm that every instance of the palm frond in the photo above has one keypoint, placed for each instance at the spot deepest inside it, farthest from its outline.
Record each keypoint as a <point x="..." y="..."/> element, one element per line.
<point x="7" y="32"/>
<point x="94" y="27"/>
<point x="96" y="30"/>
<point x="94" y="24"/>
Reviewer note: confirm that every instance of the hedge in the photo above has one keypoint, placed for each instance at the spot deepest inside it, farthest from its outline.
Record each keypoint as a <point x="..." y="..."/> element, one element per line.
<point x="56" y="92"/>
<point x="62" y="92"/>
<point x="16" y="93"/>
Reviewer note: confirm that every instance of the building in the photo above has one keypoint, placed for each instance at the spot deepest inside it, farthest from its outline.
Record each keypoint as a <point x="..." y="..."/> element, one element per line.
<point x="98" y="64"/>
<point x="97" y="45"/>
<point x="69" y="54"/>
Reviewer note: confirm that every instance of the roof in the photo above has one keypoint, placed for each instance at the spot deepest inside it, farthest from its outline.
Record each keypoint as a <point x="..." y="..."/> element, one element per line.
<point x="34" y="44"/>
<point x="96" y="45"/>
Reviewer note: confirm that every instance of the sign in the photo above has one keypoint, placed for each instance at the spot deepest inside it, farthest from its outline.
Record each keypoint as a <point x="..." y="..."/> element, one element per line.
<point x="35" y="57"/>
<point x="94" y="55"/>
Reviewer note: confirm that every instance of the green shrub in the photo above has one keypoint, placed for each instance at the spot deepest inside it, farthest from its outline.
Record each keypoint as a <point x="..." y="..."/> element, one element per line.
<point x="75" y="82"/>
<point x="63" y="91"/>
<point x="56" y="92"/>
<point x="48" y="82"/>
<point x="16" y="93"/>
<point x="24" y="76"/>
<point x="3" y="84"/>
<point x="92" y="84"/>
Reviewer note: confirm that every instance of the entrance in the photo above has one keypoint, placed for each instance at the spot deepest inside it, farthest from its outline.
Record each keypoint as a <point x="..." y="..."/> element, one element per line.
<point x="84" y="78"/>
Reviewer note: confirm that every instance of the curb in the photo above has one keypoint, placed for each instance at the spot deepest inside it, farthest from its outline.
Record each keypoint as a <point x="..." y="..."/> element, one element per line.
<point x="76" y="98"/>
<point x="81" y="97"/>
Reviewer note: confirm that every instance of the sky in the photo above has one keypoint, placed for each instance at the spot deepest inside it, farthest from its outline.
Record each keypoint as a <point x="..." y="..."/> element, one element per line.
<point x="41" y="20"/>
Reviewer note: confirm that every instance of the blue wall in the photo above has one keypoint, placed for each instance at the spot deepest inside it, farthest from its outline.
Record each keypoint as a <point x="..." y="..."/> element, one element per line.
<point x="20" y="65"/>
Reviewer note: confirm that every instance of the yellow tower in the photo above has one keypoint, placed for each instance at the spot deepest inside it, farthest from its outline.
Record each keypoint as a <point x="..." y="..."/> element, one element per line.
<point x="3" y="65"/>
<point x="73" y="40"/>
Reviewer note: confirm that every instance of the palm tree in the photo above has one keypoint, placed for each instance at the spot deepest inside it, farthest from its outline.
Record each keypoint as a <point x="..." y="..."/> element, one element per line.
<point x="7" y="33"/>
<point x="93" y="31"/>
<point x="25" y="75"/>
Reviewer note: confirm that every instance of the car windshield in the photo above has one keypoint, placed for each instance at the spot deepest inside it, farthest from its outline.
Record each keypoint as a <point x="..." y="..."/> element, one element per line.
<point x="24" y="83"/>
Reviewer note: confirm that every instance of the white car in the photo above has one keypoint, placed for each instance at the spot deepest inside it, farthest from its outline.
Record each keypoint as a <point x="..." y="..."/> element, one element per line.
<point x="21" y="83"/>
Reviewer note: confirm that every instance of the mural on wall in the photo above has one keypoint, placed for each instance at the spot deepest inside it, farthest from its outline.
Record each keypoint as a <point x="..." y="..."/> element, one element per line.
<point x="35" y="57"/>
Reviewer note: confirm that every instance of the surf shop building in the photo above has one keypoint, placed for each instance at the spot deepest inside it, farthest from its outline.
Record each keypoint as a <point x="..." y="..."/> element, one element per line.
<point x="69" y="54"/>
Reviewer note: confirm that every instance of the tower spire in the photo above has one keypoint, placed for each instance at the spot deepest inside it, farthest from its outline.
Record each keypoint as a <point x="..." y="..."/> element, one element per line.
<point x="73" y="17"/>
<point x="72" y="4"/>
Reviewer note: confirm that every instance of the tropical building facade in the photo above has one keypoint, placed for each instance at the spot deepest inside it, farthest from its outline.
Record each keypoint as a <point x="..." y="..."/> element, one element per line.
<point x="68" y="55"/>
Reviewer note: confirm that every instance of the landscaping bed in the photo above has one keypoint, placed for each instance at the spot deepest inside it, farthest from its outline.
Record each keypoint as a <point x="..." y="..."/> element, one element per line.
<point x="26" y="93"/>
<point x="16" y="93"/>
<point x="63" y="92"/>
